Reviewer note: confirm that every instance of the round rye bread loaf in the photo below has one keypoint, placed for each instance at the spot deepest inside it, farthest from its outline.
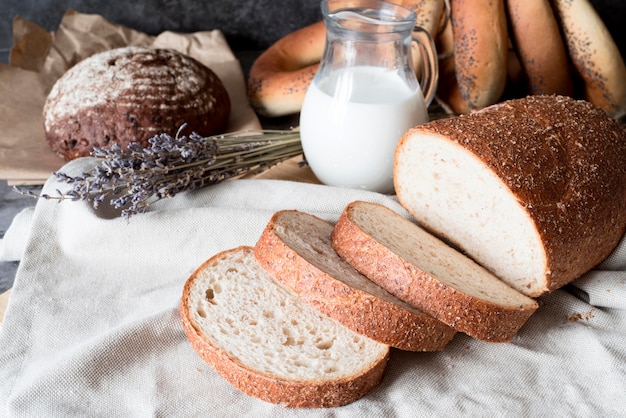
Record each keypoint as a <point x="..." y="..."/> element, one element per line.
<point x="129" y="95"/>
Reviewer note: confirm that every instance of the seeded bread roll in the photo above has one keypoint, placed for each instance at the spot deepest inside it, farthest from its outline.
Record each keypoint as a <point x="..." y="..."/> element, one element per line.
<point x="533" y="189"/>
<point x="480" y="51"/>
<point x="295" y="247"/>
<point x="271" y="345"/>
<point x="130" y="95"/>
<point x="539" y="44"/>
<point x="422" y="270"/>
<point x="595" y="55"/>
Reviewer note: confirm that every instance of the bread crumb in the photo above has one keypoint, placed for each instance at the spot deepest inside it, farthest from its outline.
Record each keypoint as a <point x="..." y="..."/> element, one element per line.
<point x="581" y="316"/>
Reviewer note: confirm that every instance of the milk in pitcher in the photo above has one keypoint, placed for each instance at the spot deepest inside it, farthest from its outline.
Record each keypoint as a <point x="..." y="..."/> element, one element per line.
<point x="351" y="122"/>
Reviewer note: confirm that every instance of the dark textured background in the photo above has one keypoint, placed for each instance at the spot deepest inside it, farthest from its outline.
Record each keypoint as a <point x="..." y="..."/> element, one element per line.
<point x="247" y="24"/>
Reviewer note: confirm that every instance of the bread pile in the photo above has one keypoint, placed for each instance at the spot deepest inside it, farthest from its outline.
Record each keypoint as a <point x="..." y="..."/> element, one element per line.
<point x="512" y="48"/>
<point x="488" y="52"/>
<point x="132" y="94"/>
<point x="512" y="202"/>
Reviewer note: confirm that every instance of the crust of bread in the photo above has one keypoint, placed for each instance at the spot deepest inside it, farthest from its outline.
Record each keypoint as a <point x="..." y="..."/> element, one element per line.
<point x="480" y="52"/>
<point x="280" y="76"/>
<point x="264" y="386"/>
<point x="479" y="318"/>
<point x="594" y="54"/>
<point x="537" y="39"/>
<point x="563" y="161"/>
<point x="448" y="92"/>
<point x="429" y="13"/>
<point x="132" y="94"/>
<point x="392" y="323"/>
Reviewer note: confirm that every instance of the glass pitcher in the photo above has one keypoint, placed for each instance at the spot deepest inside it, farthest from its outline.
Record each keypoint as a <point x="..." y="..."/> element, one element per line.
<point x="365" y="94"/>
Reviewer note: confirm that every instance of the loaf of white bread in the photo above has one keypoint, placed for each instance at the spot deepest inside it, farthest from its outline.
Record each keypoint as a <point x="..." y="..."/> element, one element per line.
<point x="533" y="191"/>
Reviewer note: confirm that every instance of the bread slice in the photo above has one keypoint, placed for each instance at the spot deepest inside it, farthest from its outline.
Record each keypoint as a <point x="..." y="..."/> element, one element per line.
<point x="424" y="271"/>
<point x="533" y="189"/>
<point x="295" y="247"/>
<point x="268" y="343"/>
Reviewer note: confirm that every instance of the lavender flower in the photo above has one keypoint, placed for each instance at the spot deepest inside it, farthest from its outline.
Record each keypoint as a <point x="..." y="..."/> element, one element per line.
<point x="133" y="178"/>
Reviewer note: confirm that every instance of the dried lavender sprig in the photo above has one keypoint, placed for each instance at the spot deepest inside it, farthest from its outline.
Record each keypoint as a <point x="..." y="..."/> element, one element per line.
<point x="133" y="178"/>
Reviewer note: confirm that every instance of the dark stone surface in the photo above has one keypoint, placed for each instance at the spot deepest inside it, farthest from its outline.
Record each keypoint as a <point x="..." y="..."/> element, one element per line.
<point x="247" y="24"/>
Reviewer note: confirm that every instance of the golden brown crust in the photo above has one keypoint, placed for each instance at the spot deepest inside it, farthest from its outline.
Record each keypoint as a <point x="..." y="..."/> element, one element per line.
<point x="566" y="167"/>
<point x="448" y="92"/>
<point x="290" y="393"/>
<point x="429" y="13"/>
<point x="356" y="309"/>
<point x="538" y="42"/>
<point x="480" y="53"/>
<point x="280" y="76"/>
<point x="594" y="54"/>
<point x="478" y="318"/>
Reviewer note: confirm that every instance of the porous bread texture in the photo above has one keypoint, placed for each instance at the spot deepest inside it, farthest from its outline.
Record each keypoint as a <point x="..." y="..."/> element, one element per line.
<point x="131" y="94"/>
<point x="533" y="189"/>
<point x="295" y="247"/>
<point x="424" y="271"/>
<point x="268" y="343"/>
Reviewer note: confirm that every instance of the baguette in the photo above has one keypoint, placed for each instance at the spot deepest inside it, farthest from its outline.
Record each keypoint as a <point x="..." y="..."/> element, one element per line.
<point x="533" y="189"/>
<point x="295" y="247"/>
<point x="422" y="270"/>
<point x="269" y="344"/>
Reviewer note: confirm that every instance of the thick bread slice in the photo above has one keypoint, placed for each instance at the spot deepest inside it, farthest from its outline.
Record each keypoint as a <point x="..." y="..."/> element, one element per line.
<point x="295" y="247"/>
<point x="532" y="189"/>
<point x="424" y="271"/>
<point x="268" y="343"/>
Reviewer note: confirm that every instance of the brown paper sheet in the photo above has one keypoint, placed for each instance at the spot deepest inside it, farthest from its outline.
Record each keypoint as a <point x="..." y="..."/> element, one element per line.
<point x="38" y="58"/>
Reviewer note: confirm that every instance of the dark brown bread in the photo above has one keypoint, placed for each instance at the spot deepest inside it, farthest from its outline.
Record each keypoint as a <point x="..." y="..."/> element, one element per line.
<point x="533" y="189"/>
<point x="295" y="247"/>
<point x="422" y="270"/>
<point x="129" y="95"/>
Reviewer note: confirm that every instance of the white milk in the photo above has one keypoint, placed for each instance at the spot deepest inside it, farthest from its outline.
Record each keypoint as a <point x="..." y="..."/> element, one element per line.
<point x="349" y="140"/>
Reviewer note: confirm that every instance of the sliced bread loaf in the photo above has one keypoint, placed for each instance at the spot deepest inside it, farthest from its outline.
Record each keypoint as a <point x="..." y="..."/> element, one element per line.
<point x="295" y="247"/>
<point x="533" y="189"/>
<point x="424" y="271"/>
<point x="268" y="343"/>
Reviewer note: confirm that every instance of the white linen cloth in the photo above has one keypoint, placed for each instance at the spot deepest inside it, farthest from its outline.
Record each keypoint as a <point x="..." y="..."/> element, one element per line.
<point x="92" y="325"/>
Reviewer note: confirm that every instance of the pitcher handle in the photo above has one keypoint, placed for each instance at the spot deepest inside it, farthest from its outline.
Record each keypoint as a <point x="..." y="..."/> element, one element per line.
<point x="429" y="73"/>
